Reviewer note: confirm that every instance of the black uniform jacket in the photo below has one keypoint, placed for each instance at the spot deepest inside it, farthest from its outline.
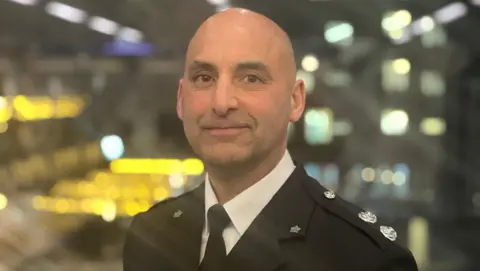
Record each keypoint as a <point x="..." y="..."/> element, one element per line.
<point x="303" y="228"/>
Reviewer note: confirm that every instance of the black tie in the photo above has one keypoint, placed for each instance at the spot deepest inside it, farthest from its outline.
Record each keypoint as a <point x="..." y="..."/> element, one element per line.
<point x="215" y="252"/>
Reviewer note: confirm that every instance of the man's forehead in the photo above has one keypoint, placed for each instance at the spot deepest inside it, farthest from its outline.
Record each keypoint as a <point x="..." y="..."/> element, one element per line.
<point x="236" y="36"/>
<point x="246" y="47"/>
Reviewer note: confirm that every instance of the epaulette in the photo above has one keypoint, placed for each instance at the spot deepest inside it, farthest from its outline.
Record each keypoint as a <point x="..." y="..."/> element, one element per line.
<point x="367" y="222"/>
<point x="163" y="202"/>
<point x="171" y="199"/>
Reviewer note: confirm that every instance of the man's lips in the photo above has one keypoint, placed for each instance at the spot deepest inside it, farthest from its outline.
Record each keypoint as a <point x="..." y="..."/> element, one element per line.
<point x="226" y="131"/>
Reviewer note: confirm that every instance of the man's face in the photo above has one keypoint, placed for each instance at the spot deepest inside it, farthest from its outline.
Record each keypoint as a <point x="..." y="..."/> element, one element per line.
<point x="234" y="100"/>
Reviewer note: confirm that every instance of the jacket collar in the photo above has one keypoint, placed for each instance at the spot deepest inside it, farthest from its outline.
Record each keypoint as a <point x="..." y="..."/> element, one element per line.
<point x="285" y="217"/>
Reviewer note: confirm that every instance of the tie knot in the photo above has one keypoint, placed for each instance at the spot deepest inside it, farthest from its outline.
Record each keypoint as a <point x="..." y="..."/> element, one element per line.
<point x="218" y="219"/>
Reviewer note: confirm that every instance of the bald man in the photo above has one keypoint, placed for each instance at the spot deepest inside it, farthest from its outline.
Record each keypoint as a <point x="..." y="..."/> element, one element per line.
<point x="257" y="210"/>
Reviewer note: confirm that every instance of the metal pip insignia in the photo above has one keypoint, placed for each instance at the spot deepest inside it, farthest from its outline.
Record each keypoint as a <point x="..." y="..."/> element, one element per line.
<point x="177" y="214"/>
<point x="295" y="229"/>
<point x="389" y="233"/>
<point x="329" y="195"/>
<point x="368" y="217"/>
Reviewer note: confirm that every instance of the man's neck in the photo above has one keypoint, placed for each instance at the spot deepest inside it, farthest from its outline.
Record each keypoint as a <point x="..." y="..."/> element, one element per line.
<point x="228" y="183"/>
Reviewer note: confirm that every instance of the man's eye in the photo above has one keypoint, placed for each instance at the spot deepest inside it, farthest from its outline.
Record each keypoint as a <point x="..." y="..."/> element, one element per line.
<point x="203" y="79"/>
<point x="252" y="79"/>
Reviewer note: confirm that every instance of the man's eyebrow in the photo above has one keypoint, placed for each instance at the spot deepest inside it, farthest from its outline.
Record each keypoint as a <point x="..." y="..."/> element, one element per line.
<point x="254" y="65"/>
<point x="201" y="65"/>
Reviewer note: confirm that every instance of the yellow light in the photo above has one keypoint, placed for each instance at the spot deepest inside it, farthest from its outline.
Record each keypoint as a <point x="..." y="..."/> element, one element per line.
<point x="42" y="107"/>
<point x="123" y="187"/>
<point x="86" y="205"/>
<point x="3" y="102"/>
<point x="101" y="179"/>
<point x="98" y="205"/>
<point x="157" y="166"/>
<point x="74" y="206"/>
<point x="109" y="211"/>
<point x="49" y="204"/>
<point x="419" y="240"/>
<point x="5" y="110"/>
<point x="3" y="201"/>
<point x="433" y="126"/>
<point x="59" y="188"/>
<point x="141" y="192"/>
<point x="397" y="34"/>
<point x="192" y="166"/>
<point x="126" y="193"/>
<point x="387" y="177"/>
<point x="39" y="203"/>
<point x="3" y="127"/>
<point x="404" y="17"/>
<point x="160" y="194"/>
<point x="169" y="166"/>
<point x="131" y="208"/>
<point x="132" y="166"/>
<point x="90" y="190"/>
<point x="62" y="206"/>
<point x="401" y="66"/>
<point x="396" y="20"/>
<point x="67" y="107"/>
<point x="368" y="174"/>
<point x="24" y="109"/>
<point x="112" y="193"/>
<point x="143" y="206"/>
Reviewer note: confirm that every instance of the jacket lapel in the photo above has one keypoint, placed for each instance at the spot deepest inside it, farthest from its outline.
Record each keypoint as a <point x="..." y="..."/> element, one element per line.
<point x="285" y="218"/>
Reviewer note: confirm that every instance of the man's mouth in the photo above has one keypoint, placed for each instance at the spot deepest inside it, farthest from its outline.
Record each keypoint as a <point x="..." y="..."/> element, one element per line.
<point x="226" y="131"/>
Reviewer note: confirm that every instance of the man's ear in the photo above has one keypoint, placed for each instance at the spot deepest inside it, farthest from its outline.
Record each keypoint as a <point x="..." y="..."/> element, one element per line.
<point x="298" y="100"/>
<point x="180" y="99"/>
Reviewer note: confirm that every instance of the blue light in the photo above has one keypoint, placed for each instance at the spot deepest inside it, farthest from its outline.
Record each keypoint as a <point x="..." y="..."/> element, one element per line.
<point x="126" y="48"/>
<point x="112" y="147"/>
<point x="313" y="170"/>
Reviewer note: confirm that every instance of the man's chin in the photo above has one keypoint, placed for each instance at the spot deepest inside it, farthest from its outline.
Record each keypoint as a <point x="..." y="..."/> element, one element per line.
<point x="225" y="155"/>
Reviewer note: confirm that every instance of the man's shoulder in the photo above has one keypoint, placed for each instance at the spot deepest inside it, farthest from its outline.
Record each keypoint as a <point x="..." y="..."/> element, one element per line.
<point x="164" y="207"/>
<point x="355" y="220"/>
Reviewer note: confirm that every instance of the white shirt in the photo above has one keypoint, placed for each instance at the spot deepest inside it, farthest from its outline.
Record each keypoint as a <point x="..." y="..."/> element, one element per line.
<point x="246" y="206"/>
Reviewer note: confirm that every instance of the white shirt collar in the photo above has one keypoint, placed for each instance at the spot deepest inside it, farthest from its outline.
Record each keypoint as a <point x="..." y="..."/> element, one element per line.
<point x="246" y="206"/>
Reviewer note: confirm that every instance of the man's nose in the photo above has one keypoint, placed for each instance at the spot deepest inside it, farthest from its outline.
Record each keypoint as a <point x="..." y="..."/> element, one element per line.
<point x="224" y="98"/>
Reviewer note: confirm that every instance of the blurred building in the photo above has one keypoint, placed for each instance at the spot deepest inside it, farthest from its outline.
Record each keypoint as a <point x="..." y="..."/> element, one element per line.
<point x="89" y="135"/>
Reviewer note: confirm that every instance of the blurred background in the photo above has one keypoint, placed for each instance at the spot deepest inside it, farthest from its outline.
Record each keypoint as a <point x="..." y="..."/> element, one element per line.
<point x="89" y="135"/>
